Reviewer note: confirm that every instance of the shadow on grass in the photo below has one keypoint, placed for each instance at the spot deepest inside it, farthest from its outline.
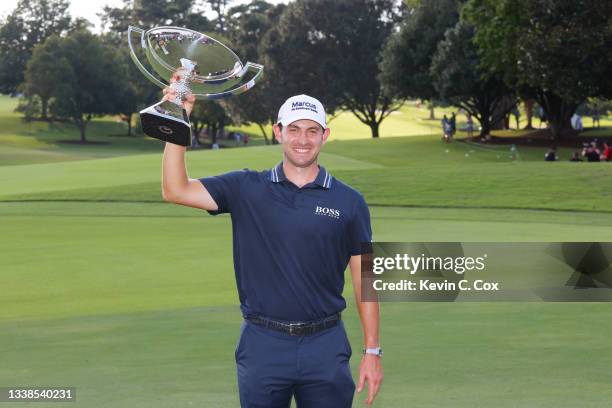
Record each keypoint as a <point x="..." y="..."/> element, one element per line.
<point x="83" y="142"/>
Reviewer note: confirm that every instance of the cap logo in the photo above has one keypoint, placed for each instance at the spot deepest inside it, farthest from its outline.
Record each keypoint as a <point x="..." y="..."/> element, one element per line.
<point x="304" y="105"/>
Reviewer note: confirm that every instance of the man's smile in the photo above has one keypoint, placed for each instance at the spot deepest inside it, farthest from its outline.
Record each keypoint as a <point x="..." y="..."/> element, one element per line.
<point x="302" y="150"/>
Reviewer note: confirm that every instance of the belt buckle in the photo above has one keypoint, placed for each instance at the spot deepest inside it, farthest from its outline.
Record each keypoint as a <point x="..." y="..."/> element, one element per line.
<point x="295" y="326"/>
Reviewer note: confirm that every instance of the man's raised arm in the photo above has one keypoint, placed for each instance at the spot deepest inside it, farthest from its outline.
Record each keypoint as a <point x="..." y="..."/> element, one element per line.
<point x="176" y="186"/>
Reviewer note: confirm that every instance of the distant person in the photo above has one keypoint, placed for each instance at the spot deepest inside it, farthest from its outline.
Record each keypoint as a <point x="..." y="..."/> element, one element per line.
<point x="446" y="129"/>
<point x="575" y="157"/>
<point x="596" y="117"/>
<point x="606" y="155"/>
<point x="453" y="124"/>
<point x="579" y="125"/>
<point x="551" y="155"/>
<point x="245" y="139"/>
<point x="591" y="152"/>
<point x="542" y="116"/>
<point x="576" y="122"/>
<point x="470" y="127"/>
<point x="517" y="115"/>
<point x="238" y="137"/>
<point x="444" y="122"/>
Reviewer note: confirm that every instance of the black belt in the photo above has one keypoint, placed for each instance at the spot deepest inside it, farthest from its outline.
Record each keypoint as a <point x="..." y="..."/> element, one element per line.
<point x="298" y="328"/>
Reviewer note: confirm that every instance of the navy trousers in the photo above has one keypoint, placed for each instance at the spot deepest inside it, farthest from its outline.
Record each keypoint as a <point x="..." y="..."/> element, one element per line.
<point x="274" y="366"/>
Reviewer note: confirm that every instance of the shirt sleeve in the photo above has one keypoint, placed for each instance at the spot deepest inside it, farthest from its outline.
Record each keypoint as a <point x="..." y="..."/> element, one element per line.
<point x="360" y="230"/>
<point x="224" y="189"/>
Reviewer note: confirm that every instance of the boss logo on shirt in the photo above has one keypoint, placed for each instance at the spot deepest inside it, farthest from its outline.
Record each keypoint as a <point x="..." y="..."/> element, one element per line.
<point x="330" y="212"/>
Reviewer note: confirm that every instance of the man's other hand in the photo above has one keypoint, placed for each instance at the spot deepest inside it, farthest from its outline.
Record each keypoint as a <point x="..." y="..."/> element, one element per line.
<point x="370" y="371"/>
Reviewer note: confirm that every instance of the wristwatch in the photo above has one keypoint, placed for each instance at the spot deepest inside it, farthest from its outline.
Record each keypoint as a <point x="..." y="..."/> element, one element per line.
<point x="377" y="351"/>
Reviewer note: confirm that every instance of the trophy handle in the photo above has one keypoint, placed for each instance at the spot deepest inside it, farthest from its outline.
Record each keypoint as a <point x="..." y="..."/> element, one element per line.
<point x="250" y="66"/>
<point x="141" y="67"/>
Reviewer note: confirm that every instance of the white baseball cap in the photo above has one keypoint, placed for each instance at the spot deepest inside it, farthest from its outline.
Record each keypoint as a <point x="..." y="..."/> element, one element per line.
<point x="301" y="107"/>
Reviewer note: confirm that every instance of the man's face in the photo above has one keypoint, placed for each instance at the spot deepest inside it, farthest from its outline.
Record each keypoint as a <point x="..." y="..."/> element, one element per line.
<point x="302" y="141"/>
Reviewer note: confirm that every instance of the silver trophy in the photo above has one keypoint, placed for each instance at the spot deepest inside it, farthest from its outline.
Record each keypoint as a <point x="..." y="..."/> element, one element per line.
<point x="207" y="70"/>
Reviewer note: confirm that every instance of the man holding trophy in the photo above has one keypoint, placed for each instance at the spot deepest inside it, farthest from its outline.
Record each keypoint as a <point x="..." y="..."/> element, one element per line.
<point x="295" y="229"/>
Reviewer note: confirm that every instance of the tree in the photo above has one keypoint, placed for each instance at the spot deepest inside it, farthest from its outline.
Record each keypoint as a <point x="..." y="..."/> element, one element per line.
<point x="555" y="51"/>
<point x="151" y="13"/>
<point x="213" y="115"/>
<point x="457" y="76"/>
<point x="13" y="54"/>
<point x="362" y="42"/>
<point x="30" y="23"/>
<point x="29" y="107"/>
<point x="134" y="89"/>
<point x="219" y="7"/>
<point x="84" y="78"/>
<point x="405" y="67"/>
<point x="197" y="120"/>
<point x="40" y="68"/>
<point x="246" y="25"/>
<point x="147" y="14"/>
<point x="528" y="103"/>
<point x="331" y="50"/>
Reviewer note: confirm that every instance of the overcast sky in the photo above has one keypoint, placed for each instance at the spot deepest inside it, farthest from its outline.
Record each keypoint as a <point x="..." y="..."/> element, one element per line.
<point x="88" y="8"/>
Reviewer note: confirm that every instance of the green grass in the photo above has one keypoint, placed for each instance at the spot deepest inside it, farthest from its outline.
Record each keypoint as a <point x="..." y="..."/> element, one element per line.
<point x="408" y="171"/>
<point x="133" y="301"/>
<point x="96" y="296"/>
<point x="457" y="354"/>
<point x="40" y="142"/>
<point x="48" y="271"/>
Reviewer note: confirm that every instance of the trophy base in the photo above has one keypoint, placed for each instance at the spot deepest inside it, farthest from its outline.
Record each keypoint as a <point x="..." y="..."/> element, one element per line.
<point x="167" y="122"/>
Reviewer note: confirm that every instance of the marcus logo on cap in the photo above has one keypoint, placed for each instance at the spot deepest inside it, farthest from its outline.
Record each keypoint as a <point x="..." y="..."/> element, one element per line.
<point x="302" y="107"/>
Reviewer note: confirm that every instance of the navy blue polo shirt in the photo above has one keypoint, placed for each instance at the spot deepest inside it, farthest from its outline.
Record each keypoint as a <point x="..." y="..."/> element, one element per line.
<point x="291" y="244"/>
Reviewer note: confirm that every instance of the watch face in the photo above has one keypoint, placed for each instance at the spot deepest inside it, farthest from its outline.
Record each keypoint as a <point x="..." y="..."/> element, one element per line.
<point x="374" y="351"/>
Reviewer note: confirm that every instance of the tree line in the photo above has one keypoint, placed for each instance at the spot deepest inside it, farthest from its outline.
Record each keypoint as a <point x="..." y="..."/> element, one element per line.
<point x="362" y="56"/>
